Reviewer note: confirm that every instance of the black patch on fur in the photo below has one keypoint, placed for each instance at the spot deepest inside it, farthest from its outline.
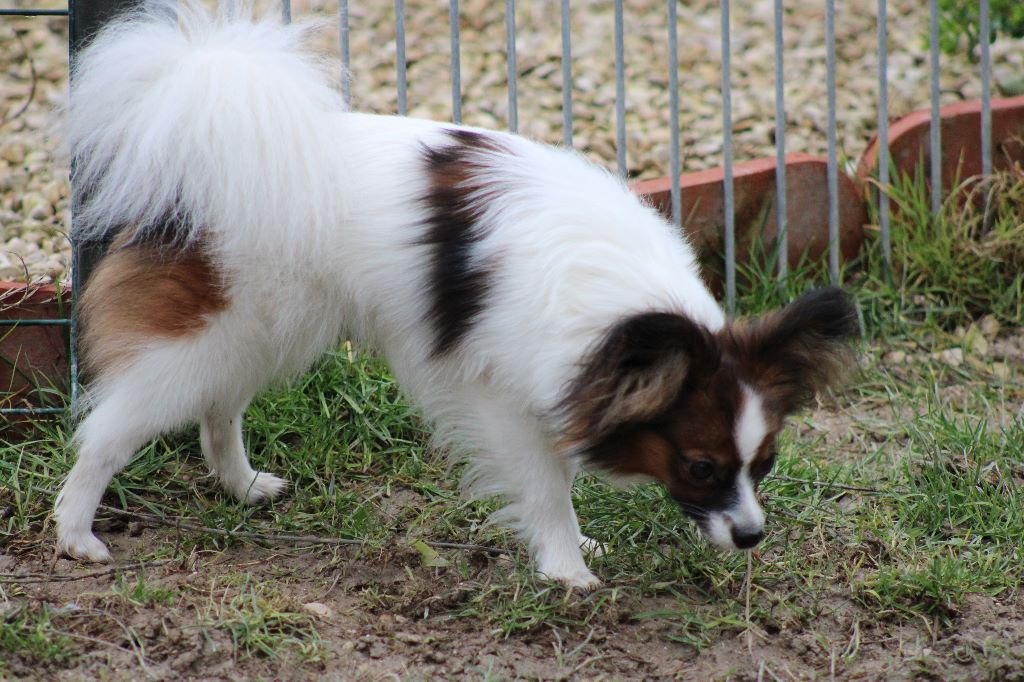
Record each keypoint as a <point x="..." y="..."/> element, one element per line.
<point x="634" y="374"/>
<point x="726" y="496"/>
<point x="459" y="282"/>
<point x="171" y="233"/>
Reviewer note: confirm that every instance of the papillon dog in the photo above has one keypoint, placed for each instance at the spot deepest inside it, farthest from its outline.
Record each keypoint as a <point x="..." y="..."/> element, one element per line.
<point x="537" y="313"/>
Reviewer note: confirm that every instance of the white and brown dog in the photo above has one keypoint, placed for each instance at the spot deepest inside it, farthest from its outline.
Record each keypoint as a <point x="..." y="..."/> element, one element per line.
<point x="536" y="312"/>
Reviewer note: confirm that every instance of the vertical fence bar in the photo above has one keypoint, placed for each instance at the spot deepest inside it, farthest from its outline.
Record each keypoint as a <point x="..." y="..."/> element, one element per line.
<point x="400" y="54"/>
<point x="620" y="92"/>
<point x="84" y="20"/>
<point x="833" y="170"/>
<point x="673" y="111"/>
<point x="510" y="60"/>
<point x="566" y="76"/>
<point x="286" y="11"/>
<point x="456" y="62"/>
<point x="346" y="81"/>
<point x="883" y="136"/>
<point x="985" y="30"/>
<point x="935" y="137"/>
<point x="729" y="216"/>
<point x="782" y="219"/>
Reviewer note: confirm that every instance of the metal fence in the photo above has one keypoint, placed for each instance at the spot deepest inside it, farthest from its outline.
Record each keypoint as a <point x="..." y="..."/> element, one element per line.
<point x="86" y="16"/>
<point x="672" y="27"/>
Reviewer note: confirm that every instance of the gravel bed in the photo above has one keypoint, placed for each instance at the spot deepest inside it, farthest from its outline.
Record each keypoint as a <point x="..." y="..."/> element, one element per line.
<point x="34" y="203"/>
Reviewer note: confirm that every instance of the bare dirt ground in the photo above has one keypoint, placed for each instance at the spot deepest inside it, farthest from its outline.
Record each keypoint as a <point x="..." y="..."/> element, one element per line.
<point x="387" y="617"/>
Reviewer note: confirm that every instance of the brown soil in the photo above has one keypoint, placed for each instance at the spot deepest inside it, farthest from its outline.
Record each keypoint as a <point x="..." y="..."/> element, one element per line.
<point x="387" y="617"/>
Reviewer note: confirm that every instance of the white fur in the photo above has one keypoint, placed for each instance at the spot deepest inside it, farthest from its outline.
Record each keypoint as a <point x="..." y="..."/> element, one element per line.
<point x="751" y="426"/>
<point x="177" y="117"/>
<point x="314" y="214"/>
<point x="751" y="429"/>
<point x="746" y="515"/>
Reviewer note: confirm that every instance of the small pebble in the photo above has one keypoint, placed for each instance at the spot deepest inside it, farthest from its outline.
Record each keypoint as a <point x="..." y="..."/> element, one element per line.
<point x="13" y="153"/>
<point x="954" y="357"/>
<point x="409" y="637"/>
<point x="322" y="611"/>
<point x="989" y="326"/>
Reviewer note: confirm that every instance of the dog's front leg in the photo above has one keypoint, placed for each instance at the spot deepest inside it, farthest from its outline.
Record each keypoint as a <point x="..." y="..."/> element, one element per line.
<point x="538" y="488"/>
<point x="510" y="456"/>
<point x="537" y="484"/>
<point x="552" y="530"/>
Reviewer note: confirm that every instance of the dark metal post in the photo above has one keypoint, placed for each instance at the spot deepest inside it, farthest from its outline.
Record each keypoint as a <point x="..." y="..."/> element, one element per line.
<point x="85" y="19"/>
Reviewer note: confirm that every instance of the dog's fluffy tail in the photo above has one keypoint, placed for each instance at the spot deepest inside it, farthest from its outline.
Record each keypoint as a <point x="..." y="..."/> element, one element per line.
<point x="183" y="122"/>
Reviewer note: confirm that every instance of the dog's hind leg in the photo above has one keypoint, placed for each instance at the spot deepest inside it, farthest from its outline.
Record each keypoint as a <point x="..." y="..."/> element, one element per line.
<point x="108" y="438"/>
<point x="135" y="405"/>
<point x="220" y="433"/>
<point x="155" y="388"/>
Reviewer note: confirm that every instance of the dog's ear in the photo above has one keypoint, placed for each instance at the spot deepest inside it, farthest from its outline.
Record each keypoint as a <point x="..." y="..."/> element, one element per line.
<point x="634" y="373"/>
<point x="796" y="352"/>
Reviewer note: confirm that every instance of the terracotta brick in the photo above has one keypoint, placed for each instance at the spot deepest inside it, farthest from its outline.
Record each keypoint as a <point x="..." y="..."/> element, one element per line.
<point x="960" y="129"/>
<point x="754" y="191"/>
<point x="30" y="355"/>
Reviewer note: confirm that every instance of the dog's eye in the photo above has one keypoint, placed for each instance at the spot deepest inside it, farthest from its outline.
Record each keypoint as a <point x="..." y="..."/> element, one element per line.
<point x="702" y="470"/>
<point x="761" y="469"/>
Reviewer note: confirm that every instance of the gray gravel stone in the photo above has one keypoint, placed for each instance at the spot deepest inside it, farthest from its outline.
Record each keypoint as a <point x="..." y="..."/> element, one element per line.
<point x="34" y="174"/>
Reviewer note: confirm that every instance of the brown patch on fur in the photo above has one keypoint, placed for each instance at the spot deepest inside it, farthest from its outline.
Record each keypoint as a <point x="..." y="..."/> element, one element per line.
<point x="141" y="292"/>
<point x="697" y="427"/>
<point x="660" y="395"/>
<point x="793" y="354"/>
<point x="646" y="454"/>
<point x="633" y="374"/>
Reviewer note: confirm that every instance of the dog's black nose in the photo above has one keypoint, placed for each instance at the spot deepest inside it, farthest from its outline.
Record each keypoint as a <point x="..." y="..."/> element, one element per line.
<point x="745" y="539"/>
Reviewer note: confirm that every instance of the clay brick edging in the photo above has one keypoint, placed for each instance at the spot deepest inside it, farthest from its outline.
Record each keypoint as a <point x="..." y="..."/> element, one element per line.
<point x="36" y="355"/>
<point x="754" y="195"/>
<point x="960" y="141"/>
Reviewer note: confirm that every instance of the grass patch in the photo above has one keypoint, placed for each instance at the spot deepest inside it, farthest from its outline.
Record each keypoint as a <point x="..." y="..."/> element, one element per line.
<point x="963" y="263"/>
<point x="29" y="637"/>
<point x="260" y="621"/>
<point x="141" y="593"/>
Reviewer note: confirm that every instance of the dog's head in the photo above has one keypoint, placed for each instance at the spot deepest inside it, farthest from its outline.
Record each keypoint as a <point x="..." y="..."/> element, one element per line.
<point x="660" y="396"/>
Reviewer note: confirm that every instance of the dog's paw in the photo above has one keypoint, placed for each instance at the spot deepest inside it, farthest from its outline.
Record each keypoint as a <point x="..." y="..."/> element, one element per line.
<point x="261" y="488"/>
<point x="580" y="580"/>
<point x="591" y="547"/>
<point x="83" y="546"/>
<point x="567" y="568"/>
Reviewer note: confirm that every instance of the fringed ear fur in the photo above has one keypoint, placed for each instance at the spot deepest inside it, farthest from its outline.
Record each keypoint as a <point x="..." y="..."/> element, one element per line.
<point x="798" y="351"/>
<point x="636" y="371"/>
